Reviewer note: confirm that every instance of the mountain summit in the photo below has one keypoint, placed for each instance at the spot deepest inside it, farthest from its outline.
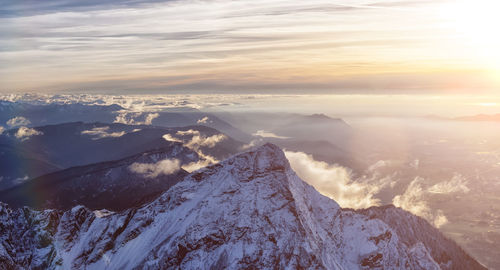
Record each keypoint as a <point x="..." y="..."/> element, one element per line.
<point x="250" y="211"/>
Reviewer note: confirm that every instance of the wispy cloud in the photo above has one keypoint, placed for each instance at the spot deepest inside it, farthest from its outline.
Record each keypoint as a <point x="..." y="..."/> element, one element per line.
<point x="203" y="120"/>
<point x="225" y="45"/>
<point x="268" y="134"/>
<point x="133" y="118"/>
<point x="456" y="185"/>
<point x="335" y="181"/>
<point x="415" y="198"/>
<point x="338" y="183"/>
<point x="102" y="132"/>
<point x="152" y="170"/>
<point x="24" y="133"/>
<point x="18" y="121"/>
<point x="195" y="141"/>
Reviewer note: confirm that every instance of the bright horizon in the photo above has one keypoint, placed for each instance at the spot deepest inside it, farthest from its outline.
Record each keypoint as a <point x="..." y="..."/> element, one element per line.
<point x="363" y="47"/>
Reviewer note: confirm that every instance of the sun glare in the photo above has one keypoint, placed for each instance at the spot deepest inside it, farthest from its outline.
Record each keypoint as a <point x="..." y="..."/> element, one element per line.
<point x="476" y="23"/>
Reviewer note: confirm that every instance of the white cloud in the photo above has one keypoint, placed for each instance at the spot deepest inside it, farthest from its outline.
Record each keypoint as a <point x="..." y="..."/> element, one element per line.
<point x="415" y="197"/>
<point x="137" y="106"/>
<point x="334" y="181"/>
<point x="198" y="140"/>
<point x="131" y="118"/>
<point x="18" y="121"/>
<point x="170" y="138"/>
<point x="413" y="200"/>
<point x="457" y="184"/>
<point x="162" y="167"/>
<point x="102" y="132"/>
<point x="251" y="144"/>
<point x="338" y="183"/>
<point x="20" y="180"/>
<point x="267" y="134"/>
<point x="150" y="117"/>
<point x="203" y="120"/>
<point x="415" y="164"/>
<point x="2" y="129"/>
<point x="379" y="164"/>
<point x="24" y="133"/>
<point x="193" y="166"/>
<point x="193" y="140"/>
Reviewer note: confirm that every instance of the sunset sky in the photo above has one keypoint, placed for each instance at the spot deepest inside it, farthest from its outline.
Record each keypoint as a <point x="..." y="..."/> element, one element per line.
<point x="271" y="46"/>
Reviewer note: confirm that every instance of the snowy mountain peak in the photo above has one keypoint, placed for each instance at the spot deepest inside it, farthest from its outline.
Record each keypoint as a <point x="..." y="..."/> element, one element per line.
<point x="267" y="157"/>
<point x="250" y="211"/>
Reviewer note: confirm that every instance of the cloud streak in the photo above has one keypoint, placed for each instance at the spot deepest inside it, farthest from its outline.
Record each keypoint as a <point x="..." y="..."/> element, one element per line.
<point x="18" y="121"/>
<point x="334" y="181"/>
<point x="200" y="45"/>
<point x="338" y="183"/>
<point x="413" y="200"/>
<point x="416" y="195"/>
<point x="152" y="170"/>
<point x="24" y="133"/>
<point x="195" y="141"/>
<point x="102" y="132"/>
<point x="267" y="134"/>
<point x="131" y="118"/>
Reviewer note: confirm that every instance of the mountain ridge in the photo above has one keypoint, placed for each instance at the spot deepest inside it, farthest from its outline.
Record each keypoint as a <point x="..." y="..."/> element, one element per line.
<point x="101" y="185"/>
<point x="248" y="211"/>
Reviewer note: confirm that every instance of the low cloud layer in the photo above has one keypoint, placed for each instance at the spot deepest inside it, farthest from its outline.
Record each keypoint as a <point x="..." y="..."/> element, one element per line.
<point x="152" y="170"/>
<point x="102" y="132"/>
<point x="267" y="134"/>
<point x="333" y="181"/>
<point x="457" y="184"/>
<point x="18" y="121"/>
<point x="135" y="118"/>
<point x="198" y="140"/>
<point x="338" y="183"/>
<point x="204" y="120"/>
<point x="251" y="144"/>
<point x="194" y="140"/>
<point x="193" y="166"/>
<point x="413" y="200"/>
<point x="24" y="133"/>
<point x="416" y="195"/>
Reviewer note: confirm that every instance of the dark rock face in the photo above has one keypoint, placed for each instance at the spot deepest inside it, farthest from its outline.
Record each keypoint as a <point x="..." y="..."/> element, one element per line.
<point x="248" y="212"/>
<point x="108" y="185"/>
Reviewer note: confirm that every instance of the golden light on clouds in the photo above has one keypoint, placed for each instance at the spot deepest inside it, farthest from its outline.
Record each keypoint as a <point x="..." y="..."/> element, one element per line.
<point x="308" y="46"/>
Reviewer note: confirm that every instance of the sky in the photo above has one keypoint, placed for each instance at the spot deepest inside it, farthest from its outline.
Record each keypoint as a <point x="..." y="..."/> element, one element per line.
<point x="251" y="46"/>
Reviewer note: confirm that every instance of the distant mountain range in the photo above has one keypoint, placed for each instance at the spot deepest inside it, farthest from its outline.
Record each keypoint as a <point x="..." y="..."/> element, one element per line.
<point x="66" y="145"/>
<point x="112" y="185"/>
<point x="250" y="211"/>
<point x="52" y="114"/>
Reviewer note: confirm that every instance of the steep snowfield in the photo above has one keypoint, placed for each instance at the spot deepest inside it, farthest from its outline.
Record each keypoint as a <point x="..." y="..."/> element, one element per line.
<point x="250" y="211"/>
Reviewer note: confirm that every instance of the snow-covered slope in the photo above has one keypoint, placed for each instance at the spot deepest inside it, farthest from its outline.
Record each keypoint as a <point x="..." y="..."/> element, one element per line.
<point x="250" y="211"/>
